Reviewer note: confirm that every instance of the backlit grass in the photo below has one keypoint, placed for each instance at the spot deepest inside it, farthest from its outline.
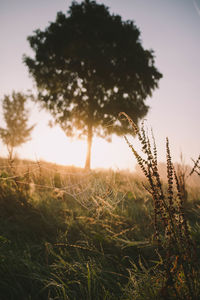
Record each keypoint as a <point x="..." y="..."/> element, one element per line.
<point x="70" y="234"/>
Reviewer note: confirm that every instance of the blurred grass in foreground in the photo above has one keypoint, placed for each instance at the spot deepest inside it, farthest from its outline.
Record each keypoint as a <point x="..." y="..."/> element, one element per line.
<point x="68" y="234"/>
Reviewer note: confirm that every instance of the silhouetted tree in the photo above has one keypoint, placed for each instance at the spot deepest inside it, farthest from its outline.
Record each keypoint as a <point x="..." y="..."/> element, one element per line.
<point x="89" y="66"/>
<point x="15" y="115"/>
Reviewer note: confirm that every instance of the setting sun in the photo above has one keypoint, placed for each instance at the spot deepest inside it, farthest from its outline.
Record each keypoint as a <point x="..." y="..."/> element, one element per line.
<point x="54" y="146"/>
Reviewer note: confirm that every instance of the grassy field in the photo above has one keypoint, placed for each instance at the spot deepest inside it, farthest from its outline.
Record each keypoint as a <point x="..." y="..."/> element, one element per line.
<point x="70" y="234"/>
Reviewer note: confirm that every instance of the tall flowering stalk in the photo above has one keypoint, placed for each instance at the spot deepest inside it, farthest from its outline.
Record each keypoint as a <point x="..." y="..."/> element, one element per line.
<point x="171" y="227"/>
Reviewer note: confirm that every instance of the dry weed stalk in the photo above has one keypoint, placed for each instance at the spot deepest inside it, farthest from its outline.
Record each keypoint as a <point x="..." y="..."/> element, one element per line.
<point x="171" y="228"/>
<point x="196" y="167"/>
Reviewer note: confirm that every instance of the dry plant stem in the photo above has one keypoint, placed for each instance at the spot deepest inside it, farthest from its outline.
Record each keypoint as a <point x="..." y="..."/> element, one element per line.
<point x="196" y="167"/>
<point x="181" y="211"/>
<point x="189" y="245"/>
<point x="170" y="206"/>
<point x="169" y="210"/>
<point x="169" y="176"/>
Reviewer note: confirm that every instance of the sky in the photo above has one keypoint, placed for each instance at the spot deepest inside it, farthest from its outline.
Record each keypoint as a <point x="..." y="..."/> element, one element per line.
<point x="171" y="28"/>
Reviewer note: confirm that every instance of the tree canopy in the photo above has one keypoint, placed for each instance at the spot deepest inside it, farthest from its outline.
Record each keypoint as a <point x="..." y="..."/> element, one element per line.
<point x="15" y="115"/>
<point x="89" y="65"/>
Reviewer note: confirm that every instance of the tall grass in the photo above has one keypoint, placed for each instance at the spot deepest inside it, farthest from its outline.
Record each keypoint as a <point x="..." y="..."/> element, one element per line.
<point x="67" y="234"/>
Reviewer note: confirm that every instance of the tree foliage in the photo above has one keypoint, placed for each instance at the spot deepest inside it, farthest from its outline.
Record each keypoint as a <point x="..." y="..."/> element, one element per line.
<point x="89" y="65"/>
<point x="15" y="116"/>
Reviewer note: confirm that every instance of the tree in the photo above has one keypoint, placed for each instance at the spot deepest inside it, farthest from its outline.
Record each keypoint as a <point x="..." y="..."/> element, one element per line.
<point x="15" y="115"/>
<point x="88" y="66"/>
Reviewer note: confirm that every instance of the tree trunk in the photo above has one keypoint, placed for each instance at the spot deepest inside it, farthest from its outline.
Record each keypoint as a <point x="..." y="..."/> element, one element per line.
<point x="89" y="146"/>
<point x="10" y="154"/>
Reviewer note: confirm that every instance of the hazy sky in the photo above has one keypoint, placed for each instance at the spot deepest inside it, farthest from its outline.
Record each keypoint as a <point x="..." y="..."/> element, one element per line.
<point x="170" y="27"/>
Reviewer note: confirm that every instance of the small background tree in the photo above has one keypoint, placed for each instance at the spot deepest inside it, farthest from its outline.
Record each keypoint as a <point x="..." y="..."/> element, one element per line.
<point x="15" y="115"/>
<point x="89" y="66"/>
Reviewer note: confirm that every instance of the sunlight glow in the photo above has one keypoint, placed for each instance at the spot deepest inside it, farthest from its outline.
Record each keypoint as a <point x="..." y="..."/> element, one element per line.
<point x="54" y="146"/>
